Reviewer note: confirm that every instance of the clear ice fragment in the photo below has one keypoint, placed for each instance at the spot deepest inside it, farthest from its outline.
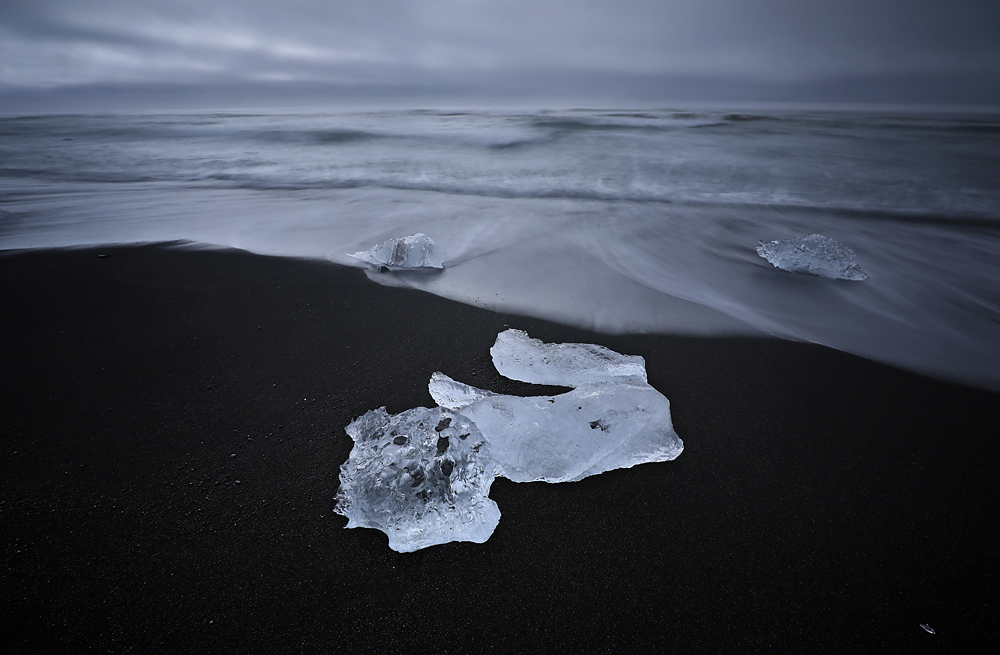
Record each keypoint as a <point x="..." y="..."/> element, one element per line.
<point x="612" y="418"/>
<point x="423" y="476"/>
<point x="519" y="357"/>
<point x="814" y="254"/>
<point x="420" y="485"/>
<point x="414" y="251"/>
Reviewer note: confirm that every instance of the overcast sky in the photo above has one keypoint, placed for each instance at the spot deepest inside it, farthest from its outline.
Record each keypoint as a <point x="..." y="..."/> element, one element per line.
<point x="630" y="51"/>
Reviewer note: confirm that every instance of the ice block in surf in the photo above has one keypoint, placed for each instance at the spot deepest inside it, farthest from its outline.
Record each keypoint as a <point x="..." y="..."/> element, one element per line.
<point x="814" y="254"/>
<point x="415" y="251"/>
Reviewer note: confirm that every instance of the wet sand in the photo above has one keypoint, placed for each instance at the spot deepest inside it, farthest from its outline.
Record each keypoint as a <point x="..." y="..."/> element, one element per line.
<point x="173" y="429"/>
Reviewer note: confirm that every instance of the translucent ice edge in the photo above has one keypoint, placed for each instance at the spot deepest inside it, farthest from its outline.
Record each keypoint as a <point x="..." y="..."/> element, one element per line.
<point x="423" y="476"/>
<point x="414" y="251"/>
<point x="814" y="254"/>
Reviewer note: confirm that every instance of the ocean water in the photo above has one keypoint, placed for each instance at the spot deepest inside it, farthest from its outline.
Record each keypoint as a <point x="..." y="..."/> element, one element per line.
<point x="609" y="219"/>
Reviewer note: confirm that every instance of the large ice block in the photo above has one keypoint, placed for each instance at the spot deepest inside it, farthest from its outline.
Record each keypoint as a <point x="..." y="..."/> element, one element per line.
<point x="414" y="251"/>
<point x="422" y="477"/>
<point x="612" y="418"/>
<point x="814" y="254"/>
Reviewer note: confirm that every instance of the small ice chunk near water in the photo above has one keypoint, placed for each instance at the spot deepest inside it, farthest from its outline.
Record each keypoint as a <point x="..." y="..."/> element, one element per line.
<point x="928" y="629"/>
<point x="414" y="251"/>
<point x="519" y="357"/>
<point x="422" y="477"/>
<point x="814" y="254"/>
<point x="612" y="418"/>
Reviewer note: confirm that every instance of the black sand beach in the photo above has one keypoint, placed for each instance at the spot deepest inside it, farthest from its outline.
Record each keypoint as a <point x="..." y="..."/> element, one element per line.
<point x="173" y="429"/>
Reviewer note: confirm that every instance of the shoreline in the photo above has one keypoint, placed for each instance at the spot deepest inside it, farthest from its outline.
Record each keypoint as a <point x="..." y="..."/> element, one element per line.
<point x="822" y="500"/>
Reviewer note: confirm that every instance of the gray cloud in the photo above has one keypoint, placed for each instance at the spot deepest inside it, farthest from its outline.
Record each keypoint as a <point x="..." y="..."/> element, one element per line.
<point x="486" y="46"/>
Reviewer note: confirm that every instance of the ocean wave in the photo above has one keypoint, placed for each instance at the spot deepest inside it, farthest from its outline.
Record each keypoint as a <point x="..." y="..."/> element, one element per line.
<point x="954" y="211"/>
<point x="848" y="125"/>
<point x="871" y="166"/>
<point x="612" y="209"/>
<point x="986" y="220"/>
<point x="319" y="136"/>
<point x="82" y="176"/>
<point x="567" y="125"/>
<point x="629" y="115"/>
<point x="929" y="304"/>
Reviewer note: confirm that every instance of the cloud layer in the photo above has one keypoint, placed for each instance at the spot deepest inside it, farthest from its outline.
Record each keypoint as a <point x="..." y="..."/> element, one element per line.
<point x="501" y="47"/>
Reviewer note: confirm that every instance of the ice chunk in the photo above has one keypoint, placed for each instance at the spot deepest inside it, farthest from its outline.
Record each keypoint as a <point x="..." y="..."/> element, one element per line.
<point x="414" y="251"/>
<point x="422" y="477"/>
<point x="612" y="419"/>
<point x="814" y="254"/>
<point x="929" y="629"/>
<point x="592" y="429"/>
<point x="519" y="357"/>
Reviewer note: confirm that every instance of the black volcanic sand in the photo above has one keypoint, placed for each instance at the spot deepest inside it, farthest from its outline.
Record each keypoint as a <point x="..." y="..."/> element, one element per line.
<point x="172" y="432"/>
